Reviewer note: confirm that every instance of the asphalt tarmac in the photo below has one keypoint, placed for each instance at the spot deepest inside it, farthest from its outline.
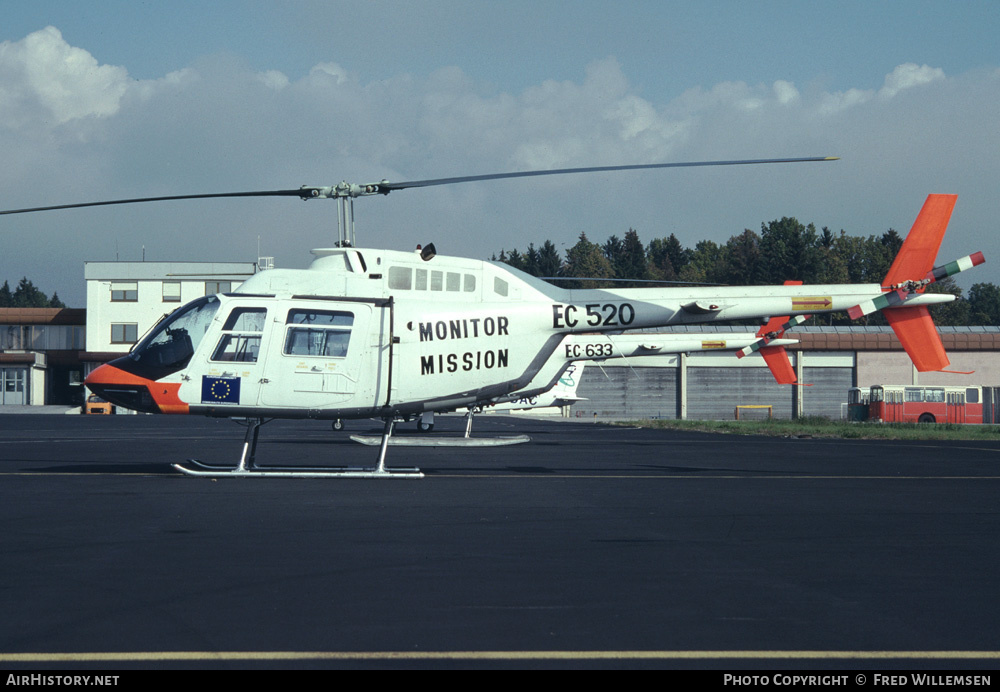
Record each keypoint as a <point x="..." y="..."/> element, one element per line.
<point x="591" y="546"/>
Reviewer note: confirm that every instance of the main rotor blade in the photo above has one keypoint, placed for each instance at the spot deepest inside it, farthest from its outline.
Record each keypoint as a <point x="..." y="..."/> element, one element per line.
<point x="387" y="187"/>
<point x="302" y="192"/>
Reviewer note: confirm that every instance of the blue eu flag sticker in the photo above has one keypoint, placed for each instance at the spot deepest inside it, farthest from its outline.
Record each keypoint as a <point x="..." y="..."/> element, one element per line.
<point x="220" y="390"/>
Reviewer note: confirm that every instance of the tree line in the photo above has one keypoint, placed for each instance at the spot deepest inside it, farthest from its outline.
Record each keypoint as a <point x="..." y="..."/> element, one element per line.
<point x="27" y="295"/>
<point x="783" y="250"/>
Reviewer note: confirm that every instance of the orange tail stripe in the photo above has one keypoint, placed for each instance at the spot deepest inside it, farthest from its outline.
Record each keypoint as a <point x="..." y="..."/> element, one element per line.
<point x="916" y="256"/>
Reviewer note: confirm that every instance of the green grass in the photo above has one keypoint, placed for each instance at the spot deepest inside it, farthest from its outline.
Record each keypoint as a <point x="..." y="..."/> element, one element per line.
<point x="815" y="426"/>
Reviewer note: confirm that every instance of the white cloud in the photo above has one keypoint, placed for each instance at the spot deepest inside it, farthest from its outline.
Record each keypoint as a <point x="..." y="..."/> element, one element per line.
<point x="908" y="76"/>
<point x="43" y="77"/>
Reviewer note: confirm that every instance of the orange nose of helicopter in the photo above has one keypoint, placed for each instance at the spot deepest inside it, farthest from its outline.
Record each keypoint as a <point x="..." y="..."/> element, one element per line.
<point x="122" y="388"/>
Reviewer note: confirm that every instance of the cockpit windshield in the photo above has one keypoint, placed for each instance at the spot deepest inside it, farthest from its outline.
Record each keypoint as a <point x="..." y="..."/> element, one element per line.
<point x="170" y="345"/>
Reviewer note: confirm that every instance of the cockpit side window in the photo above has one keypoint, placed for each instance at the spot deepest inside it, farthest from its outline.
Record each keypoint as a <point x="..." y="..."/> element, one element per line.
<point x="241" y="336"/>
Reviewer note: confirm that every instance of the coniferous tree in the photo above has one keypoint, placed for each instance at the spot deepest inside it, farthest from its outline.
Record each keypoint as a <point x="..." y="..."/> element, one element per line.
<point x="587" y="260"/>
<point x="549" y="262"/>
<point x="28" y="296"/>
<point x="632" y="263"/>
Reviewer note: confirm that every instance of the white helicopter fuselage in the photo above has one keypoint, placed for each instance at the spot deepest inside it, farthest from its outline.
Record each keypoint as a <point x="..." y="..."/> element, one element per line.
<point x="364" y="333"/>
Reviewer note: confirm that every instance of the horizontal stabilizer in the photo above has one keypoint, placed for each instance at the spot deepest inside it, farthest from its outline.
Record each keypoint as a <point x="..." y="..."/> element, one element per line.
<point x="916" y="332"/>
<point x="952" y="268"/>
<point x="774" y="328"/>
<point x="886" y="300"/>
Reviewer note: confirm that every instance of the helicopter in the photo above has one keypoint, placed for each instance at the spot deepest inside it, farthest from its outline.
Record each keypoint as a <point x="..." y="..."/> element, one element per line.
<point x="390" y="334"/>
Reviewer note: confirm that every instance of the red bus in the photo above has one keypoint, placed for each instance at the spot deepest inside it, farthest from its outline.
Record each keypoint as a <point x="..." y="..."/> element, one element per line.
<point x="896" y="403"/>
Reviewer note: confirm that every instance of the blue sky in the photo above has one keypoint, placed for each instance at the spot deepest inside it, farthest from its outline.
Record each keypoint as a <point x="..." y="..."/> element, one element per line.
<point x="123" y="99"/>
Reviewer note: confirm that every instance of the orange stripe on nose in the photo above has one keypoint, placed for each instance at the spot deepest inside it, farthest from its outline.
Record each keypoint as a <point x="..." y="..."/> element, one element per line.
<point x="165" y="395"/>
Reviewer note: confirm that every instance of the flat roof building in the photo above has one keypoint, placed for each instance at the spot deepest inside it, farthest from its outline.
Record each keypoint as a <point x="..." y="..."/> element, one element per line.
<point x="125" y="299"/>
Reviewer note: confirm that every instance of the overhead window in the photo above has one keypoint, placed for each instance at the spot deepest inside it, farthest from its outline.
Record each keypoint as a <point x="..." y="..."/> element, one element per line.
<point x="400" y="278"/>
<point x="321" y="333"/>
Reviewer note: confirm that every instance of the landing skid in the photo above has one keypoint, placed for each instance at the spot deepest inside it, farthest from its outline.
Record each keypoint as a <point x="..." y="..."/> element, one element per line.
<point x="247" y="467"/>
<point x="211" y="471"/>
<point x="425" y="441"/>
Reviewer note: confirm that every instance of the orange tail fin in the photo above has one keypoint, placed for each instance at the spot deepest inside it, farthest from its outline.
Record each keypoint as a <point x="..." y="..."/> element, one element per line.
<point x="913" y="325"/>
<point x="916" y="256"/>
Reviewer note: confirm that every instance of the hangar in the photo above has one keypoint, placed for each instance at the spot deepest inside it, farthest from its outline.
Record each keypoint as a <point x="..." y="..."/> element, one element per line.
<point x="831" y="360"/>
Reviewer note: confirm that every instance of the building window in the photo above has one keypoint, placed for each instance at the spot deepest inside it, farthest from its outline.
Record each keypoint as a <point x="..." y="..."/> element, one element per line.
<point x="124" y="292"/>
<point x="171" y="291"/>
<point x="127" y="333"/>
<point x="213" y="287"/>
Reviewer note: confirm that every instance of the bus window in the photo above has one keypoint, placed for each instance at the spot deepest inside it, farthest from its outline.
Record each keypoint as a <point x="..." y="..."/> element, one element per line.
<point x="934" y="394"/>
<point x="972" y="395"/>
<point x="876" y="394"/>
<point x="914" y="394"/>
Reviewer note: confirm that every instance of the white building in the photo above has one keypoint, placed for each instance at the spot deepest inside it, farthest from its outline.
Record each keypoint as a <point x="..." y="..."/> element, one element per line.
<point x="125" y="299"/>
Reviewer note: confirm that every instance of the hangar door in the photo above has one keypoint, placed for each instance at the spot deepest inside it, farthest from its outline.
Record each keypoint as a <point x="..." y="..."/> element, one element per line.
<point x="714" y="392"/>
<point x="828" y="393"/>
<point x="623" y="392"/>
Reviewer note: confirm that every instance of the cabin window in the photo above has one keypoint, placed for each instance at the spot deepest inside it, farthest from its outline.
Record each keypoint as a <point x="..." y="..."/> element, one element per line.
<point x="400" y="278"/>
<point x="323" y="333"/>
<point x="470" y="283"/>
<point x="437" y="281"/>
<point x="499" y="286"/>
<point x="454" y="281"/>
<point x="420" y="282"/>
<point x="241" y="341"/>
